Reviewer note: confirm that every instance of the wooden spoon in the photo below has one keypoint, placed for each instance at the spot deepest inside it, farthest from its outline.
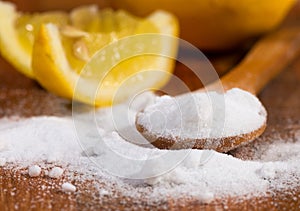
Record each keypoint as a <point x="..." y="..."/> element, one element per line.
<point x="265" y="60"/>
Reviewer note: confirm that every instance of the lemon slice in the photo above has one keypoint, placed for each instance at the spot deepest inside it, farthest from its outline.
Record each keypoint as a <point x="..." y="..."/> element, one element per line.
<point x="17" y="32"/>
<point x="114" y="56"/>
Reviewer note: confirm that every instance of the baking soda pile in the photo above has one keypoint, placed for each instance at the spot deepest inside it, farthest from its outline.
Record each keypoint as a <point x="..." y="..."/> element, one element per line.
<point x="98" y="151"/>
<point x="202" y="116"/>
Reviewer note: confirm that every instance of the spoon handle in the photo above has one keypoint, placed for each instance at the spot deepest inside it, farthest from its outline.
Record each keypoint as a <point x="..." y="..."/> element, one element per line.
<point x="265" y="60"/>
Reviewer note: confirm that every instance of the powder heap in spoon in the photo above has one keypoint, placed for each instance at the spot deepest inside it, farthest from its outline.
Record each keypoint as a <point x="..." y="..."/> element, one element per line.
<point x="209" y="118"/>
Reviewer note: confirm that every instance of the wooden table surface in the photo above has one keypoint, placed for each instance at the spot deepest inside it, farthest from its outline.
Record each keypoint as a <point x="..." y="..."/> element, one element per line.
<point x="23" y="97"/>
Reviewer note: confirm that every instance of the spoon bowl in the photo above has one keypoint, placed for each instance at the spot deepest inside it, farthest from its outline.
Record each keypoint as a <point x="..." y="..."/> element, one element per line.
<point x="203" y="120"/>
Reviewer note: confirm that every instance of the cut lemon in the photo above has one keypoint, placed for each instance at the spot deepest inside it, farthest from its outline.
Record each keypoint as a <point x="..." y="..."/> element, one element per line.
<point x="107" y="57"/>
<point x="17" y="32"/>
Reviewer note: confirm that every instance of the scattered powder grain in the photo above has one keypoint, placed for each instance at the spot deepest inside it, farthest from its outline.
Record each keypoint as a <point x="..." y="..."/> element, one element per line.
<point x="34" y="171"/>
<point x="68" y="187"/>
<point x="55" y="172"/>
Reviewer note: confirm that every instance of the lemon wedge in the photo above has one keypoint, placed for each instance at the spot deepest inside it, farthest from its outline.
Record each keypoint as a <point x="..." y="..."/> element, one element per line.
<point x="17" y="33"/>
<point x="105" y="56"/>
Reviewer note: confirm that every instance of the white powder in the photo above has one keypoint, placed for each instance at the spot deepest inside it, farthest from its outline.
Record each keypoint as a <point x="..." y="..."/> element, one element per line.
<point x="55" y="172"/>
<point x="68" y="187"/>
<point x="204" y="115"/>
<point x="39" y="139"/>
<point x="268" y="170"/>
<point x="103" y="192"/>
<point x="2" y="161"/>
<point x="34" y="171"/>
<point x="97" y="152"/>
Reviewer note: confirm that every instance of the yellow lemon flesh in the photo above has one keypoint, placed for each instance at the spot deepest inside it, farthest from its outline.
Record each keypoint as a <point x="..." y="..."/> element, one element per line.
<point x="216" y="24"/>
<point x="94" y="61"/>
<point x="17" y="33"/>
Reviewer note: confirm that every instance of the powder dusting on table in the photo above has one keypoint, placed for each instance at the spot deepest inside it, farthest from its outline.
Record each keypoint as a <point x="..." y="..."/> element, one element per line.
<point x="103" y="155"/>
